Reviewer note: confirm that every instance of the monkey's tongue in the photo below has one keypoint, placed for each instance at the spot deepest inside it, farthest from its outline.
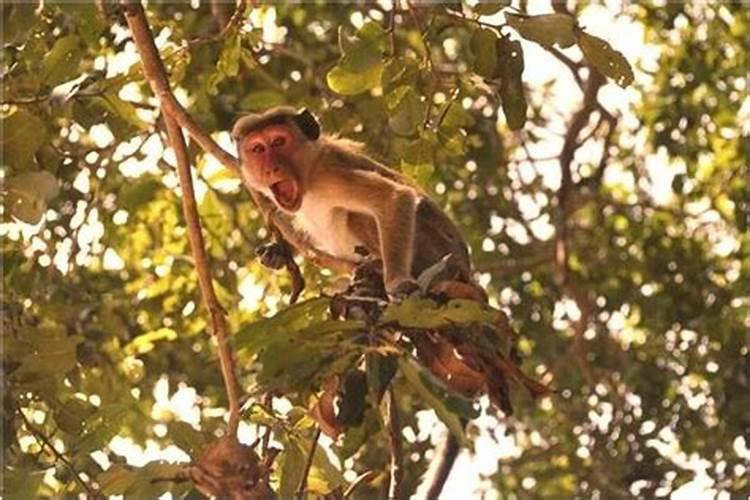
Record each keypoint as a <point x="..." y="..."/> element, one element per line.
<point x="285" y="193"/>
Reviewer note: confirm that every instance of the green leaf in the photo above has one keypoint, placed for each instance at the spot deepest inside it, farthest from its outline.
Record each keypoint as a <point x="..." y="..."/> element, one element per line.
<point x="21" y="483"/>
<point x="490" y="7"/>
<point x="361" y="65"/>
<point x="149" y="481"/>
<point x="408" y="113"/>
<point x="436" y="396"/>
<point x="416" y="312"/>
<point x="323" y="477"/>
<point x="123" y="110"/>
<point x="420" y="172"/>
<point x="511" y="85"/>
<point x="117" y="480"/>
<point x="547" y="29"/>
<point x="290" y="321"/>
<point x="71" y="415"/>
<point x="380" y="371"/>
<point x="23" y="134"/>
<point x="18" y="19"/>
<point x="102" y="426"/>
<point x="28" y="195"/>
<point x="89" y="23"/>
<point x="228" y="64"/>
<point x="50" y="356"/>
<point x="349" y="82"/>
<point x="186" y="437"/>
<point x="607" y="60"/>
<point x="456" y="117"/>
<point x="262" y="100"/>
<point x="357" y="436"/>
<point x="138" y="192"/>
<point x="291" y="466"/>
<point x="145" y="343"/>
<point x="229" y="59"/>
<point x="484" y="48"/>
<point x="61" y="63"/>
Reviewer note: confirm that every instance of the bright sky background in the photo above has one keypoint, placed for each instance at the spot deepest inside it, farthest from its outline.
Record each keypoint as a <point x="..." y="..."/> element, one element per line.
<point x="465" y="481"/>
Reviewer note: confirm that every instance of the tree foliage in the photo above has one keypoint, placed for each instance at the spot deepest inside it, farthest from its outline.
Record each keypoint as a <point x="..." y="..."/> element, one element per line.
<point x="631" y="294"/>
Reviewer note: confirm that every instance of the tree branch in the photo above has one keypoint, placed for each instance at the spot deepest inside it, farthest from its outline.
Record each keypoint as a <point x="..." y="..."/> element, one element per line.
<point x="446" y="457"/>
<point x="157" y="78"/>
<point x="570" y="144"/>
<point x="43" y="441"/>
<point x="306" y="471"/>
<point x="156" y="75"/>
<point x="397" y="449"/>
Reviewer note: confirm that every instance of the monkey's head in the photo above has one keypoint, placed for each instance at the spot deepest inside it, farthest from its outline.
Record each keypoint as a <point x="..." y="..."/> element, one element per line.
<point x="273" y="147"/>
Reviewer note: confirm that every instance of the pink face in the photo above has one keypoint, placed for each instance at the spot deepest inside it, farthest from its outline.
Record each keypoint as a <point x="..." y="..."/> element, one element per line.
<point x="266" y="158"/>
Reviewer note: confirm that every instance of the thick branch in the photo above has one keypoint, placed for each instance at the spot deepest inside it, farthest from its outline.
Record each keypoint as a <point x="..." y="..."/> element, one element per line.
<point x="153" y="68"/>
<point x="157" y="78"/>
<point x="218" y="321"/>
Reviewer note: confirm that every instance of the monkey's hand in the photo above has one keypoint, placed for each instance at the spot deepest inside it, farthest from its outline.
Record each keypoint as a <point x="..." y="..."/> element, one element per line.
<point x="402" y="289"/>
<point x="274" y="255"/>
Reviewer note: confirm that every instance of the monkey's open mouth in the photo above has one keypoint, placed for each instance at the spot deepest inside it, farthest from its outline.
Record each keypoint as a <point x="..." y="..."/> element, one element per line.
<point x="286" y="193"/>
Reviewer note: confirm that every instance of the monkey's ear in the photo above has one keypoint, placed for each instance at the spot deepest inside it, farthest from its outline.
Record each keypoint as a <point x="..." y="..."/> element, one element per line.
<point x="308" y="124"/>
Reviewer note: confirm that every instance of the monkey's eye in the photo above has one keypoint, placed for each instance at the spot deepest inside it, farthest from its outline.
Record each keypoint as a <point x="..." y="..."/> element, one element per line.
<point x="258" y="149"/>
<point x="278" y="141"/>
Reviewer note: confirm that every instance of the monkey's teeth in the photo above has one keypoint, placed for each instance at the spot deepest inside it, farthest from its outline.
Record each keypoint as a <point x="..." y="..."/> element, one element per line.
<point x="285" y="192"/>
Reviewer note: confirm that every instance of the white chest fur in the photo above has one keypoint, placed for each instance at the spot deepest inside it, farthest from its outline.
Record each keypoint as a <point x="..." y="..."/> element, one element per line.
<point x="326" y="225"/>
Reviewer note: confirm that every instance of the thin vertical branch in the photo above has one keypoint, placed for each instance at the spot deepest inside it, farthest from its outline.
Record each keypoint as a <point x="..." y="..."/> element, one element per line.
<point x="438" y="474"/>
<point x="44" y="441"/>
<point x="396" y="446"/>
<point x="302" y="488"/>
<point x="153" y="68"/>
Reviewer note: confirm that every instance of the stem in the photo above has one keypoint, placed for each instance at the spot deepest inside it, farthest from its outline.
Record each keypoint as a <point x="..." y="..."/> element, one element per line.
<point x="157" y="78"/>
<point x="447" y="456"/>
<point x="306" y="472"/>
<point x="397" y="449"/>
<point x="156" y="75"/>
<point x="43" y="441"/>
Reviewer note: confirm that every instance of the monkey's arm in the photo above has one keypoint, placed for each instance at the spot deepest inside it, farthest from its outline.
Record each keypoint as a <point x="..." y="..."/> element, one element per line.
<point x="281" y="225"/>
<point x="393" y="207"/>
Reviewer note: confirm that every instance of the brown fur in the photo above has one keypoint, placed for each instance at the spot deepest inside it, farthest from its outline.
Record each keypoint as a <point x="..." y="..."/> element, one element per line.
<point x="349" y="197"/>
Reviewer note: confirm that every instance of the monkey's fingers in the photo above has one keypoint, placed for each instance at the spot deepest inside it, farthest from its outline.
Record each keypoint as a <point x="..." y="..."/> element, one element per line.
<point x="273" y="255"/>
<point x="403" y="290"/>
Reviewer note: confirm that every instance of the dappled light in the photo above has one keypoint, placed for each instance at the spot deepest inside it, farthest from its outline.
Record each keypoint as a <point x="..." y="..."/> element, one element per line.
<point x="594" y="157"/>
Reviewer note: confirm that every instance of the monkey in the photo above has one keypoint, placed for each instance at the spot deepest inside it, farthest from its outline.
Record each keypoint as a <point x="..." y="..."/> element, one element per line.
<point x="328" y="198"/>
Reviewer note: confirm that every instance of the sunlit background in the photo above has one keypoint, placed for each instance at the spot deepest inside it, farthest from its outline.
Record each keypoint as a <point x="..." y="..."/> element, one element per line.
<point x="610" y="21"/>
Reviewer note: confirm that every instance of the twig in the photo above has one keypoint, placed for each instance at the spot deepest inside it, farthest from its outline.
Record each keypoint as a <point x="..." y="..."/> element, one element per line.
<point x="43" y="441"/>
<point x="156" y="76"/>
<point x="397" y="451"/>
<point x="234" y="22"/>
<point x="570" y="144"/>
<point x="361" y="479"/>
<point x="567" y="61"/>
<point x="447" y="456"/>
<point x="155" y="73"/>
<point x="306" y="471"/>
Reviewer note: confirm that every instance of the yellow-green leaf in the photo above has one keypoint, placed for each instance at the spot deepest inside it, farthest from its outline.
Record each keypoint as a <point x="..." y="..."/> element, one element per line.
<point x="607" y="60"/>
<point x="547" y="29"/>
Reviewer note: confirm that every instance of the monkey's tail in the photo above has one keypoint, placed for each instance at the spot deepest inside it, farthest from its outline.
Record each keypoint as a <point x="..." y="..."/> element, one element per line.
<point x="439" y="469"/>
